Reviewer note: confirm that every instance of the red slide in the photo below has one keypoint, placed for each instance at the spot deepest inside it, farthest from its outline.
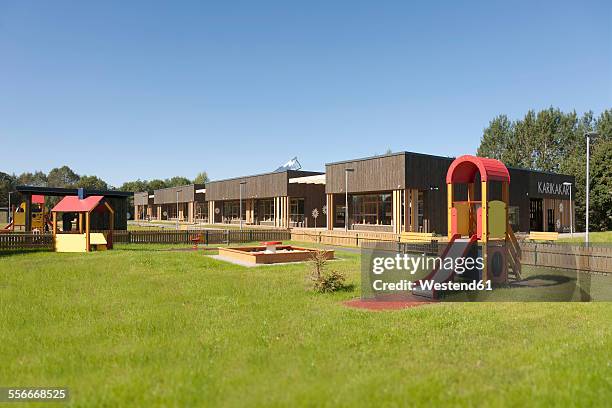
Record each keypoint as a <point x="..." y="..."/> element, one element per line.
<point x="456" y="248"/>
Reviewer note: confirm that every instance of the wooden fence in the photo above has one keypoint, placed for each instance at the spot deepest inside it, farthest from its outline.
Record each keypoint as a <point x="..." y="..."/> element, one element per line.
<point x="21" y="240"/>
<point x="575" y="257"/>
<point x="18" y="240"/>
<point x="206" y="237"/>
<point x="566" y="256"/>
<point x="341" y="238"/>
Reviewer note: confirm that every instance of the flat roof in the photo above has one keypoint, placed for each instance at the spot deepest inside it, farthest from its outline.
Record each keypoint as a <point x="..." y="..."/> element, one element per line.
<point x="194" y="185"/>
<point x="57" y="192"/>
<point x="405" y="152"/>
<point x="305" y="172"/>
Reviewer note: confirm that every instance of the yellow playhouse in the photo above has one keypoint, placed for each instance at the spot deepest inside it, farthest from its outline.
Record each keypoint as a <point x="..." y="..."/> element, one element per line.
<point x="82" y="240"/>
<point x="39" y="219"/>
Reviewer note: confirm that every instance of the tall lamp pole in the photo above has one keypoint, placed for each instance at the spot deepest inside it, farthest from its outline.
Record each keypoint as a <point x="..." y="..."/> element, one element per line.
<point x="10" y="213"/>
<point x="346" y="208"/>
<point x="588" y="136"/>
<point x="177" y="208"/>
<point x="571" y="209"/>
<point x="242" y="183"/>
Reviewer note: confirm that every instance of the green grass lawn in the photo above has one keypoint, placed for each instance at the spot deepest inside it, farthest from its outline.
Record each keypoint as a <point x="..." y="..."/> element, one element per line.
<point x="139" y="326"/>
<point x="605" y="236"/>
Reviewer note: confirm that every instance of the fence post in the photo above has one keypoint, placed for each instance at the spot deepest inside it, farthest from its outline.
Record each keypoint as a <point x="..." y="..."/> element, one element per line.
<point x="206" y="239"/>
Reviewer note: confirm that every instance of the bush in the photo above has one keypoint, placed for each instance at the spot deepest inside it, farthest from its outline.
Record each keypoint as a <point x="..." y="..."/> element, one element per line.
<point x="324" y="281"/>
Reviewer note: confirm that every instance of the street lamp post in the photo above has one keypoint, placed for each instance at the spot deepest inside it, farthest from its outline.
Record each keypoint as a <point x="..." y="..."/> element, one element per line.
<point x="567" y="183"/>
<point x="10" y="213"/>
<point x="346" y="207"/>
<point x="588" y="136"/>
<point x="242" y="183"/>
<point x="177" y="208"/>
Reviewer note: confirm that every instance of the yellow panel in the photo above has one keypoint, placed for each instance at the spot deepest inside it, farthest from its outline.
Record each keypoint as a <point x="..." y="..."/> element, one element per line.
<point x="97" y="238"/>
<point x="463" y="218"/>
<point x="497" y="219"/>
<point x="38" y="220"/>
<point x="19" y="218"/>
<point x="70" y="243"/>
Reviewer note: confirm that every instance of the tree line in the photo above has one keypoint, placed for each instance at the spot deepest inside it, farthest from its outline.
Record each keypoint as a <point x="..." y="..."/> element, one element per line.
<point x="65" y="177"/>
<point x="552" y="140"/>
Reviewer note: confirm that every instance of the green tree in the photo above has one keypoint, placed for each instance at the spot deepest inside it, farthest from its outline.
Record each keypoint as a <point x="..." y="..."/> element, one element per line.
<point x="554" y="141"/>
<point x="7" y="183"/>
<point x="600" y="213"/>
<point x="156" y="184"/>
<point x="135" y="186"/>
<point x="92" y="183"/>
<point x="177" y="181"/>
<point x="497" y="138"/>
<point x="201" y="178"/>
<point x="62" y="177"/>
<point x="37" y="179"/>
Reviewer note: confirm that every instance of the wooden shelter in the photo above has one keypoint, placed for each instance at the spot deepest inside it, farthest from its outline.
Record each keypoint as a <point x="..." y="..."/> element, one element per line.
<point x="82" y="240"/>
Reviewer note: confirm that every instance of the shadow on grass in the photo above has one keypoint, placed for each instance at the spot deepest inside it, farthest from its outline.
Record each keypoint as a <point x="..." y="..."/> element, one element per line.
<point x="543" y="280"/>
<point x="10" y="252"/>
<point x="347" y="288"/>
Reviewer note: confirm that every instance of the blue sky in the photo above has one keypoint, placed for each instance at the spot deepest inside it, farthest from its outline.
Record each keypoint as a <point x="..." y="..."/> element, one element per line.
<point x="128" y="89"/>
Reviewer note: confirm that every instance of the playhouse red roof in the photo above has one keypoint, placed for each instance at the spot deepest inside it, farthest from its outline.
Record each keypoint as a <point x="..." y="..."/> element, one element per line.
<point x="73" y="204"/>
<point x="464" y="168"/>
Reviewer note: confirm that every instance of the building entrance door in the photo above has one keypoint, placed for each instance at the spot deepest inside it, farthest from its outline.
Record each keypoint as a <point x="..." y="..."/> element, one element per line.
<point x="536" y="215"/>
<point x="551" y="220"/>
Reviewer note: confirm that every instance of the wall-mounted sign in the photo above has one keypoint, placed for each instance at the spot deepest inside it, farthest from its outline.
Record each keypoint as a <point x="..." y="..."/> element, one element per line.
<point x="545" y="187"/>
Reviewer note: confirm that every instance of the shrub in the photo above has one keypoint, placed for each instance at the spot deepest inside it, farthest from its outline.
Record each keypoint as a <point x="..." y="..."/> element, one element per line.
<point x="323" y="280"/>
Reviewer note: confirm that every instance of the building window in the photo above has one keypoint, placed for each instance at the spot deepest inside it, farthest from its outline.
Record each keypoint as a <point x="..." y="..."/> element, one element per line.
<point x="231" y="211"/>
<point x="420" y="210"/>
<point x="372" y="209"/>
<point x="296" y="209"/>
<point x="266" y="210"/>
<point x="513" y="217"/>
<point x="201" y="211"/>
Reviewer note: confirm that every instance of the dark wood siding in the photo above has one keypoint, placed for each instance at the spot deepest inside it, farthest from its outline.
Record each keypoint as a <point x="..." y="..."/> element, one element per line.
<point x="168" y="195"/>
<point x="142" y="198"/>
<point x="257" y="186"/>
<point x="379" y="173"/>
<point x="260" y="186"/>
<point x="100" y="219"/>
<point x="314" y="197"/>
<point x="428" y="174"/>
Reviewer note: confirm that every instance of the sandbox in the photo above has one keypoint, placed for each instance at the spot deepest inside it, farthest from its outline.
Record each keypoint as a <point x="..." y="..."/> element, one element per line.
<point x="270" y="253"/>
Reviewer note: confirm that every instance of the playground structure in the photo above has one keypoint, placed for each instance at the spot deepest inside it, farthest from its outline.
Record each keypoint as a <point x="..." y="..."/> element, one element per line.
<point x="39" y="218"/>
<point x="82" y="240"/>
<point x="476" y="221"/>
<point x="270" y="253"/>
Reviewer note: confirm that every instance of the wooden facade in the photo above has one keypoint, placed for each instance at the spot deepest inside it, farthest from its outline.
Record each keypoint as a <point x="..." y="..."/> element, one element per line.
<point x="144" y="206"/>
<point x="416" y="186"/>
<point x="267" y="199"/>
<point x="183" y="203"/>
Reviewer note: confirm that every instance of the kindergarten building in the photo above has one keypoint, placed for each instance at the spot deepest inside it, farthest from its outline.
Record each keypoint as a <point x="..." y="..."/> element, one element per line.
<point x="280" y="199"/>
<point x="184" y="203"/>
<point x="406" y="191"/>
<point x="398" y="192"/>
